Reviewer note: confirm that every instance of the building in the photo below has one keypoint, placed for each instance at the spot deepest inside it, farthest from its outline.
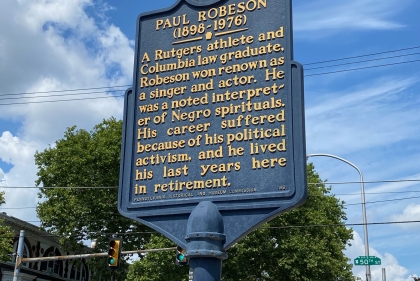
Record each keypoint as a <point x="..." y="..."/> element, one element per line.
<point x="39" y="243"/>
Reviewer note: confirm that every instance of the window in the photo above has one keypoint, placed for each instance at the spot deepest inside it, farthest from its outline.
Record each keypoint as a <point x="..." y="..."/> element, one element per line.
<point x="53" y="266"/>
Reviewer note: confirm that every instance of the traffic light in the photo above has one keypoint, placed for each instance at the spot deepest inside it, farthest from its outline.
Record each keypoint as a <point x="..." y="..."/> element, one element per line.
<point x="181" y="259"/>
<point x="114" y="253"/>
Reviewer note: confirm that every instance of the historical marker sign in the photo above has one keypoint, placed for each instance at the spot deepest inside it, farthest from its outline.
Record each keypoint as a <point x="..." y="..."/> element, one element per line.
<point x="215" y="114"/>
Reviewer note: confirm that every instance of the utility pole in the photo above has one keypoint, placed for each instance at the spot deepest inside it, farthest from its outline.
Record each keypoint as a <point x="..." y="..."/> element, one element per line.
<point x="362" y="192"/>
<point x="19" y="255"/>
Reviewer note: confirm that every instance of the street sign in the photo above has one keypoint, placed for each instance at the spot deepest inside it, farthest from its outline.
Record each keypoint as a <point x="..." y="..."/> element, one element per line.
<point x="215" y="114"/>
<point x="367" y="260"/>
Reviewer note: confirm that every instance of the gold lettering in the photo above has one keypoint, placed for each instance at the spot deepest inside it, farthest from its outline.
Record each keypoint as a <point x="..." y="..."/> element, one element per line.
<point x="274" y="74"/>
<point x="145" y="58"/>
<point x="159" y="23"/>
<point x="220" y="168"/>
<point x="232" y="9"/>
<point x="235" y="151"/>
<point x="140" y="189"/>
<point x="268" y="163"/>
<point x="192" y="185"/>
<point x="144" y="175"/>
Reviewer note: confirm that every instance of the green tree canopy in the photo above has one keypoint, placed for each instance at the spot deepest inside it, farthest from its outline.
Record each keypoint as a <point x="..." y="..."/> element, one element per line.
<point x="85" y="159"/>
<point x="6" y="237"/>
<point x="290" y="247"/>
<point x="296" y="246"/>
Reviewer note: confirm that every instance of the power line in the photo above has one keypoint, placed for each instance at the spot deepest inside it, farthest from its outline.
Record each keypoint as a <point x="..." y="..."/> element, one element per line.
<point x="309" y="183"/>
<point x="17" y="208"/>
<point x="360" y="68"/>
<point x="367" y="182"/>
<point x="345" y="224"/>
<point x="51" y="101"/>
<point x="268" y="227"/>
<point x="60" y="187"/>
<point x="70" y="90"/>
<point x="349" y="204"/>
<point x="382" y="201"/>
<point x="377" y="193"/>
<point x="77" y="94"/>
<point x="366" y="55"/>
<point x="307" y="75"/>
<point x="120" y="86"/>
<point x="335" y="194"/>
<point x="86" y="234"/>
<point x="316" y="74"/>
<point x="341" y="64"/>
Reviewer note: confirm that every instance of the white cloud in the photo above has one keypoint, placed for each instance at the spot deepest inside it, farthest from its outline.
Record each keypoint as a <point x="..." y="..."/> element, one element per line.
<point x="48" y="45"/>
<point x="57" y="40"/>
<point x="2" y="179"/>
<point x="20" y="154"/>
<point x="329" y="15"/>
<point x="410" y="213"/>
<point x="56" y="45"/>
<point x="15" y="151"/>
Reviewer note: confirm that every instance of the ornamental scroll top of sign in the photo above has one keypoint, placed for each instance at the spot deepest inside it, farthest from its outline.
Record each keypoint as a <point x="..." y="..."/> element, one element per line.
<point x="215" y="114"/>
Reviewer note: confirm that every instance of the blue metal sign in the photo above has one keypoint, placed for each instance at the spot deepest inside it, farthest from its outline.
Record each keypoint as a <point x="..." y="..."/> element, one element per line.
<point x="215" y="114"/>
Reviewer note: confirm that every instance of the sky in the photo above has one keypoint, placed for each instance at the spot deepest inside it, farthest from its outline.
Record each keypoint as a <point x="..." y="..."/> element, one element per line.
<point x="368" y="116"/>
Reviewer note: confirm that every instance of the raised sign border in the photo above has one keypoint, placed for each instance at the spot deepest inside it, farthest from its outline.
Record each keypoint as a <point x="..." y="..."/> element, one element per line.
<point x="240" y="216"/>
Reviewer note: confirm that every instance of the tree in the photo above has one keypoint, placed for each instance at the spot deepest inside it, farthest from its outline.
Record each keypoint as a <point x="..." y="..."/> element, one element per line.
<point x="305" y="244"/>
<point x="158" y="266"/>
<point x="290" y="247"/>
<point x="6" y="237"/>
<point x="85" y="159"/>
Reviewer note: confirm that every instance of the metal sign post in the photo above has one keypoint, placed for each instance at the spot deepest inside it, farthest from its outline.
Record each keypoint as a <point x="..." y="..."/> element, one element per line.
<point x="214" y="123"/>
<point x="19" y="255"/>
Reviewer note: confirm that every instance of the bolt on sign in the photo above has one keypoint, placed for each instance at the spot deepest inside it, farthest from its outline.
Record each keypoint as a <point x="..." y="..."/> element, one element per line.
<point x="216" y="114"/>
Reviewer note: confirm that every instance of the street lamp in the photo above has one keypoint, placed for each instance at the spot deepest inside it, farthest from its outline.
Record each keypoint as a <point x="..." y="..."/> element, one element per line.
<point x="362" y="186"/>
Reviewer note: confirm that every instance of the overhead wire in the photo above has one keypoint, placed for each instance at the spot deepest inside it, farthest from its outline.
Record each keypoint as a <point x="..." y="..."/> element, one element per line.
<point x="360" y="68"/>
<point x="365" y="55"/>
<point x="346" y="204"/>
<point x="369" y="182"/>
<point x="59" y="187"/>
<point x="364" y="61"/>
<point x="382" y="201"/>
<point x="344" y="224"/>
<point x="310" y="183"/>
<point x="69" y="90"/>
<point x="74" y="94"/>
<point x="340" y="59"/>
<point x="265" y="227"/>
<point x="307" y="75"/>
<point x="51" y="101"/>
<point x="79" y="235"/>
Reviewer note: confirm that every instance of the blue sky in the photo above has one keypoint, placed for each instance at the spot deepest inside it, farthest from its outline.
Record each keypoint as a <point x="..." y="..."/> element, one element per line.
<point x="369" y="117"/>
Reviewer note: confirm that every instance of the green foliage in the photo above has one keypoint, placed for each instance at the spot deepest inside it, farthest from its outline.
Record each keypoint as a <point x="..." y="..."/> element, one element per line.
<point x="282" y="250"/>
<point x="158" y="266"/>
<point x="6" y="243"/>
<point x="85" y="159"/>
<point x="279" y="250"/>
